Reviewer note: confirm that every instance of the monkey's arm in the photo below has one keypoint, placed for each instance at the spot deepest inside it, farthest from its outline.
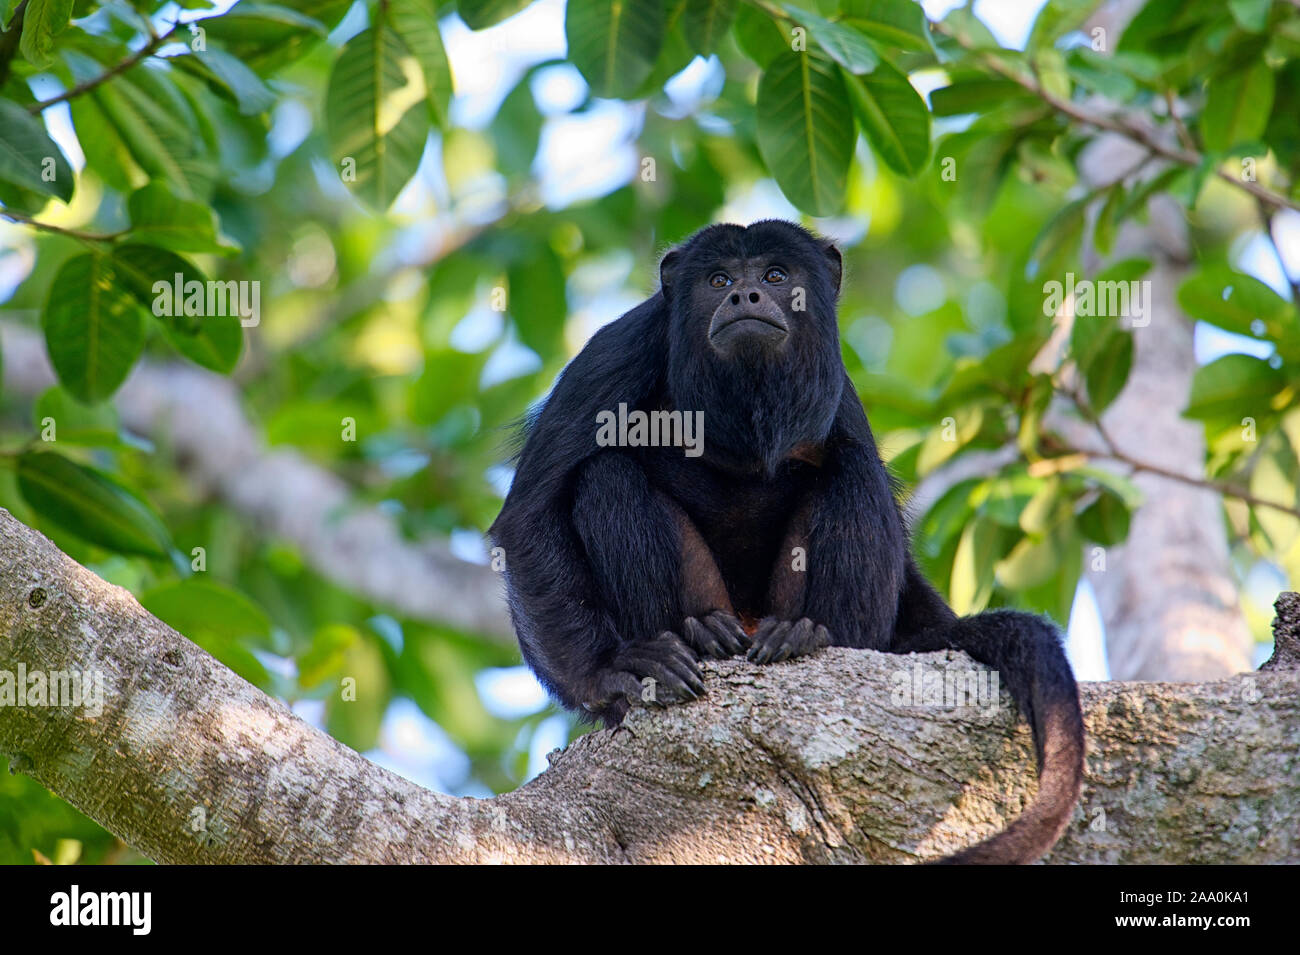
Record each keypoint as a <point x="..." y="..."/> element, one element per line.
<point x="849" y="531"/>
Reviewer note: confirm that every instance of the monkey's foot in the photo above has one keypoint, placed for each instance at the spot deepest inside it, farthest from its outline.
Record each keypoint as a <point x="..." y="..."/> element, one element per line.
<point x="652" y="672"/>
<point x="776" y="639"/>
<point x="717" y="635"/>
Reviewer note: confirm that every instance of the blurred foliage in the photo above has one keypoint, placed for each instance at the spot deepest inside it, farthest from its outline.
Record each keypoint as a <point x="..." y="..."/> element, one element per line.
<point x="401" y="254"/>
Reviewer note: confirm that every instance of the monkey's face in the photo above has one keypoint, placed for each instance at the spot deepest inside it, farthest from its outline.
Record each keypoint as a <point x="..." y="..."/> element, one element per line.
<point x="753" y="294"/>
<point x="751" y="305"/>
<point x="752" y="339"/>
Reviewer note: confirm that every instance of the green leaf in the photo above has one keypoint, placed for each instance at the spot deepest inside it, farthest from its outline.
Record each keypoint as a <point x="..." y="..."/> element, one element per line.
<point x="415" y="22"/>
<point x="1100" y="74"/>
<point x="537" y="301"/>
<point x="1103" y="235"/>
<point x="356" y="722"/>
<point x="1035" y="560"/>
<point x="846" y="46"/>
<point x="974" y="95"/>
<point x="160" y="217"/>
<point x="1274" y="479"/>
<point x="1236" y="302"/>
<point x="1106" y="520"/>
<point x="973" y="567"/>
<point x="614" y="45"/>
<point x="761" y="38"/>
<point x="44" y="20"/>
<point x="945" y="440"/>
<point x="229" y="78"/>
<point x="705" y="23"/>
<point x="146" y="111"/>
<point x="1046" y="509"/>
<point x="94" y="330"/>
<point x="899" y="23"/>
<point x="74" y="422"/>
<point x="91" y="505"/>
<point x="266" y="36"/>
<point x="28" y="157"/>
<point x="1235" y="387"/>
<point x="377" y="135"/>
<point x="325" y="657"/>
<point x="1107" y="373"/>
<point x="805" y="130"/>
<point x="1056" y="18"/>
<point x="212" y="337"/>
<point x="1237" y="105"/>
<point x="1250" y="15"/>
<point x="893" y="117"/>
<point x="449" y="378"/>
<point x="480" y="14"/>
<point x="1057" y="241"/>
<point x="202" y="608"/>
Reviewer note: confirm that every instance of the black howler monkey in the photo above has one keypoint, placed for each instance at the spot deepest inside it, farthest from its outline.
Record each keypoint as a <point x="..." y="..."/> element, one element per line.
<point x="627" y="562"/>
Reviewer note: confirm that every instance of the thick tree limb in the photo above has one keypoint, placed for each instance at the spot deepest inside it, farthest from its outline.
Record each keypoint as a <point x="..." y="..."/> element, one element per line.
<point x="819" y="760"/>
<point x="199" y="417"/>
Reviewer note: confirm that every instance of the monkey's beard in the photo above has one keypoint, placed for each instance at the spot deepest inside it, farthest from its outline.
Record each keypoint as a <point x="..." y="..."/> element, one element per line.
<point x="759" y="403"/>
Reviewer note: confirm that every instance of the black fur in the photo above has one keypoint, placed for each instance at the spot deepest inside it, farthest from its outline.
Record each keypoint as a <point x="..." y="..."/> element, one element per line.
<point x="625" y="565"/>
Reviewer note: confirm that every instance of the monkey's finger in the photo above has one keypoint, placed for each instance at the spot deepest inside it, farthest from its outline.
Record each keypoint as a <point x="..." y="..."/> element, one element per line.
<point x="612" y="685"/>
<point x="821" y="637"/>
<point x="668" y="646"/>
<point x="764" y="650"/>
<point x="670" y="686"/>
<point x="704" y="640"/>
<point x="793" y="642"/>
<point x="729" y="631"/>
<point x="689" y="673"/>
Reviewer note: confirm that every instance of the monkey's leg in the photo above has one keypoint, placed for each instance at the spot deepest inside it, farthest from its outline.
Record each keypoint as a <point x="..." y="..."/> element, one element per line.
<point x="646" y="577"/>
<point x="785" y="633"/>
<point x="850" y="537"/>
<point x="711" y="626"/>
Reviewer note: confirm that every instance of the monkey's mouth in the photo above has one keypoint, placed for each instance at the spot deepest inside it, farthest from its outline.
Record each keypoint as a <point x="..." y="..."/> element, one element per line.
<point x="762" y="326"/>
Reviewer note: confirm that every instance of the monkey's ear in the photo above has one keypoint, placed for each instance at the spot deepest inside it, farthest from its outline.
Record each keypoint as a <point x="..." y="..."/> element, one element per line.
<point x="668" y="271"/>
<point x="834" y="264"/>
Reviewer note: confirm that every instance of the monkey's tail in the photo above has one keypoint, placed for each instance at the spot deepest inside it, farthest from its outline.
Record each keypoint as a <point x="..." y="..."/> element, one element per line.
<point x="1026" y="651"/>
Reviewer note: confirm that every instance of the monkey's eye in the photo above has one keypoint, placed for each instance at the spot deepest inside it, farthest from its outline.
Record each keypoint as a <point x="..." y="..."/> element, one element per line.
<point x="774" y="276"/>
<point x="719" y="279"/>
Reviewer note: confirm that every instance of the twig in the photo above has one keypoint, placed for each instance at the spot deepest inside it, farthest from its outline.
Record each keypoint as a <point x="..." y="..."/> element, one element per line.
<point x="1181" y="155"/>
<point x="9" y="40"/>
<point x="22" y="219"/>
<point x="1113" y="453"/>
<point x="146" y="51"/>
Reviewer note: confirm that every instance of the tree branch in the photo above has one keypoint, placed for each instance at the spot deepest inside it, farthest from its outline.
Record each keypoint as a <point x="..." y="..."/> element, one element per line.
<point x="156" y="41"/>
<point x="816" y="761"/>
<point x="27" y="220"/>
<point x="1184" y="155"/>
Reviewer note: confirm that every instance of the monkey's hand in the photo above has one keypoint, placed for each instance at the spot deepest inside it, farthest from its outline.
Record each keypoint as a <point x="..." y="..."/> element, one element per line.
<point x="777" y="639"/>
<point x="652" y="672"/>
<point x="717" y="635"/>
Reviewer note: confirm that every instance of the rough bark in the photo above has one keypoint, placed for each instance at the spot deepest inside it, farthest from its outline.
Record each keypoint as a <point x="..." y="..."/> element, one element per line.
<point x="815" y="761"/>
<point x="199" y="418"/>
